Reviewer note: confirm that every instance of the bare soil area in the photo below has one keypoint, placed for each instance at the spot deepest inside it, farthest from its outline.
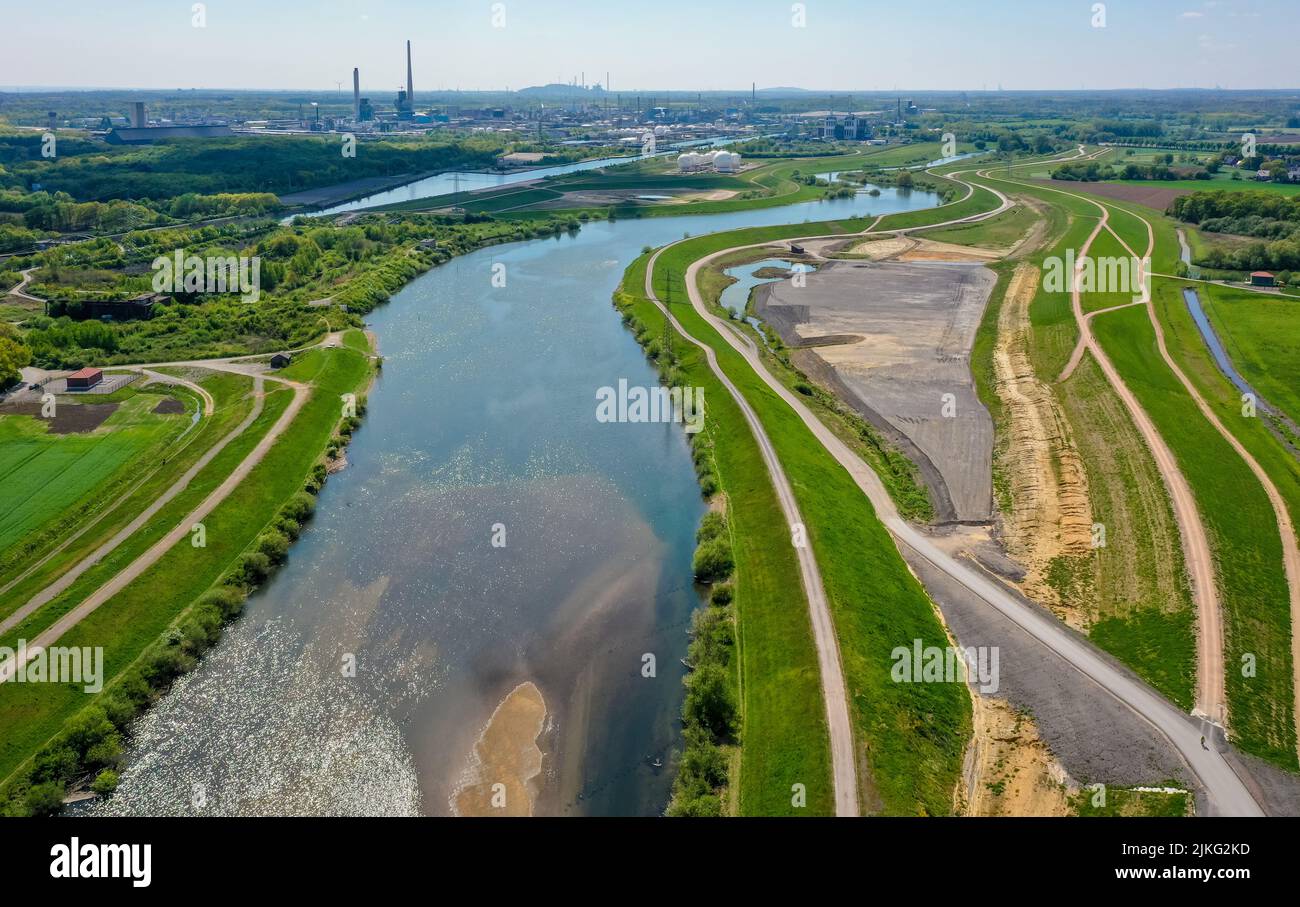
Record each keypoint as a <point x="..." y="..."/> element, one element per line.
<point x="898" y="337"/>
<point x="1157" y="197"/>
<point x="1009" y="770"/>
<point x="1049" y="512"/>
<point x="69" y="418"/>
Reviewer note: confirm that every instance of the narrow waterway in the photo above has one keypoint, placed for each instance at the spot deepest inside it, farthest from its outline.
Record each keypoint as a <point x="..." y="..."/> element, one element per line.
<point x="456" y="181"/>
<point x="481" y="429"/>
<point x="736" y="296"/>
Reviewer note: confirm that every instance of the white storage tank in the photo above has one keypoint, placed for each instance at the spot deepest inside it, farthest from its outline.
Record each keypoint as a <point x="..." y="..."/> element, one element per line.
<point x="727" y="162"/>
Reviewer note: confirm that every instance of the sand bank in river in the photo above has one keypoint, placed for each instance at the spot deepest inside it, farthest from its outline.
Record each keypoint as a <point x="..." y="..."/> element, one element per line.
<point x="506" y="759"/>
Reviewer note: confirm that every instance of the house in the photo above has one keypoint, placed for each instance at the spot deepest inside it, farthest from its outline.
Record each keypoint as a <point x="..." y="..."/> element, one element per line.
<point x="1293" y="173"/>
<point x="1263" y="175"/>
<point x="84" y="379"/>
<point x="1262" y="279"/>
<point x="280" y="360"/>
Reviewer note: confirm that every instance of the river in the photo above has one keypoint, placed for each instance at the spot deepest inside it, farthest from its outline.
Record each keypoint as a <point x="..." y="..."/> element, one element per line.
<point x="466" y="180"/>
<point x="482" y="427"/>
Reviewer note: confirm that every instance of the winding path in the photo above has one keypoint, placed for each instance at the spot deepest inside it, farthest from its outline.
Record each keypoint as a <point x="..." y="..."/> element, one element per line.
<point x="150" y="557"/>
<point x="1211" y="698"/>
<point x="1226" y="793"/>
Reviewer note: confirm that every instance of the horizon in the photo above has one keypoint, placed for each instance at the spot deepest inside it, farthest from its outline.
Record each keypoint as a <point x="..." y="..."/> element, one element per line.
<point x="493" y="47"/>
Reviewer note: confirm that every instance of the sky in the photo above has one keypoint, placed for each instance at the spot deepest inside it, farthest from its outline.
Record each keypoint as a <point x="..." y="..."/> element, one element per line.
<point x="835" y="45"/>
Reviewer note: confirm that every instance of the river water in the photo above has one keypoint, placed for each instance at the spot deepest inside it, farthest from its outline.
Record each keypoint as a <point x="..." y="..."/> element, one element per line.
<point x="464" y="181"/>
<point x="481" y="428"/>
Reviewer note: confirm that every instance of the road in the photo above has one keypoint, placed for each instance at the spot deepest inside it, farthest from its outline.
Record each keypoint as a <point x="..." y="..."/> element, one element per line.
<point x="1226" y="794"/>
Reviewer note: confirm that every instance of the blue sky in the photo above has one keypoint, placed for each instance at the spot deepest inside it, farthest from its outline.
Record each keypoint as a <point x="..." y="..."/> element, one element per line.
<point x="657" y="44"/>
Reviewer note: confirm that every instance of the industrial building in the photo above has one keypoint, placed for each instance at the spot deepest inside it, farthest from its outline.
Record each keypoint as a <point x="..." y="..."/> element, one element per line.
<point x="716" y="161"/>
<point x="406" y="99"/>
<point x="150" y="134"/>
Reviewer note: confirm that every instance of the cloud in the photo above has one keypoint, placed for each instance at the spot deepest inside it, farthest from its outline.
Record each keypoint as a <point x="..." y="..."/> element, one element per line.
<point x="1191" y="14"/>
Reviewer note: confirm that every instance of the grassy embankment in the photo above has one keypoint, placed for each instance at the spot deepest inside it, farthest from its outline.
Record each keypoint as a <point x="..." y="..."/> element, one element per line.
<point x="1239" y="520"/>
<point x="157" y="626"/>
<point x="910" y="737"/>
<point x="783" y="733"/>
<point x="1133" y="592"/>
<point x="1249" y="559"/>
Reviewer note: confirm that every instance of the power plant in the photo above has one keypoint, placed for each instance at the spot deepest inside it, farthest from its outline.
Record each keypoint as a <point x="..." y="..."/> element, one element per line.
<point x="406" y="99"/>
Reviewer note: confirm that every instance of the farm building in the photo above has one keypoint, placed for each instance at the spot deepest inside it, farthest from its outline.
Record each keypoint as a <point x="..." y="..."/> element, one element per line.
<point x="84" y="379"/>
<point x="1262" y="279"/>
<point x="280" y="360"/>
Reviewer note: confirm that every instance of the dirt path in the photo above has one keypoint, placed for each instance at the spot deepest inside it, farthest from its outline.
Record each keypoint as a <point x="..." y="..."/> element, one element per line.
<point x="843" y="764"/>
<point x="209" y="407"/>
<point x="1211" y="698"/>
<point x="22" y="285"/>
<point x="1050" y="514"/>
<point x="180" y="531"/>
<point x="1225" y="790"/>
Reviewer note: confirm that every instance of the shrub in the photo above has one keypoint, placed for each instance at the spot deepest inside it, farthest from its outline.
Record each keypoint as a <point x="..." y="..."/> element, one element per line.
<point x="274" y="545"/>
<point x="300" y="507"/>
<point x="709" y="701"/>
<point x="712" y="526"/>
<point x="713" y="561"/>
<point x="253" y="568"/>
<point x="228" y="602"/>
<point x="105" y="783"/>
<point x="44" y="799"/>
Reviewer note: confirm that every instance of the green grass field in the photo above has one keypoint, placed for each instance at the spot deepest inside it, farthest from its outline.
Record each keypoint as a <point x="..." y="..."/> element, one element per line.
<point x="998" y="232"/>
<point x="55" y="478"/>
<point x="1261" y="334"/>
<point x="911" y="735"/>
<point x="1221" y="181"/>
<point x="133" y="619"/>
<point x="1242" y="531"/>
<point x="231" y="394"/>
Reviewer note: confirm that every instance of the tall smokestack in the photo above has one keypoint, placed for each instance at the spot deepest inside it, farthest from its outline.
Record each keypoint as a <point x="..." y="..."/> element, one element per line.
<point x="410" y="85"/>
<point x="356" y="94"/>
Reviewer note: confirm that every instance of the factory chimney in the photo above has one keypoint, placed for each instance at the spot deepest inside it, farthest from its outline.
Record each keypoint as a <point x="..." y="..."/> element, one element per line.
<point x="356" y="94"/>
<point x="410" y="85"/>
